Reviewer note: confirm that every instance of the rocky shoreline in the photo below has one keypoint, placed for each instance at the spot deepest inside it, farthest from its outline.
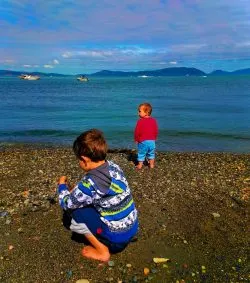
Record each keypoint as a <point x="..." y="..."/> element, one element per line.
<point x="193" y="207"/>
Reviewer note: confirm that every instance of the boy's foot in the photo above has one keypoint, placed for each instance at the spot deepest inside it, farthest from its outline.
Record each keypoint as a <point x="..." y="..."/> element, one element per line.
<point x="151" y="163"/>
<point x="102" y="254"/>
<point x="139" y="165"/>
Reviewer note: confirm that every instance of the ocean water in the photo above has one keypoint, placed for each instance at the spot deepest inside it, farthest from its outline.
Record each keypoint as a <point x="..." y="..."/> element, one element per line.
<point x="202" y="114"/>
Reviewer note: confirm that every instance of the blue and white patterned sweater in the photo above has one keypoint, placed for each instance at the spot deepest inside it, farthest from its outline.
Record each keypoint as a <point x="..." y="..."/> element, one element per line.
<point x="116" y="206"/>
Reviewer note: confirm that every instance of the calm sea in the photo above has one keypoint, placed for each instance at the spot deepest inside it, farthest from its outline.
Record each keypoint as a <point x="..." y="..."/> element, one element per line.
<point x="204" y="114"/>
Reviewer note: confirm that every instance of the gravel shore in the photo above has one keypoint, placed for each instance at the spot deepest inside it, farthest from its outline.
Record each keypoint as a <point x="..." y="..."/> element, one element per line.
<point x="193" y="211"/>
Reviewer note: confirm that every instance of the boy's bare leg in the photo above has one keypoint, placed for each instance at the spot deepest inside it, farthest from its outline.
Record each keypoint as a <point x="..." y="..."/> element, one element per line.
<point x="97" y="251"/>
<point x="139" y="165"/>
<point x="151" y="163"/>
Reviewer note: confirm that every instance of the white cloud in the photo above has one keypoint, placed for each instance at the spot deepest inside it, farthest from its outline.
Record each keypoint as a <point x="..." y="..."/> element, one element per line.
<point x="243" y="44"/>
<point x="112" y="52"/>
<point x="8" y="61"/>
<point x="67" y="54"/>
<point x="188" y="47"/>
<point x="137" y="50"/>
<point x="90" y="53"/>
<point x="30" y="66"/>
<point x="56" y="62"/>
<point x="173" y="63"/>
<point x="48" y="66"/>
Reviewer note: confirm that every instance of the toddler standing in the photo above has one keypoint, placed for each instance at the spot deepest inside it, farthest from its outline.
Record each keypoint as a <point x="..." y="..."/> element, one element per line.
<point x="145" y="135"/>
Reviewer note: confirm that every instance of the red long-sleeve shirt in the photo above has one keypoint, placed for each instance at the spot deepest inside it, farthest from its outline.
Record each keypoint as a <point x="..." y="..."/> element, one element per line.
<point x="146" y="129"/>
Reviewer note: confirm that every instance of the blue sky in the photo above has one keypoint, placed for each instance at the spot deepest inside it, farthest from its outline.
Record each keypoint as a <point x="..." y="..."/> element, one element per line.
<point x="86" y="36"/>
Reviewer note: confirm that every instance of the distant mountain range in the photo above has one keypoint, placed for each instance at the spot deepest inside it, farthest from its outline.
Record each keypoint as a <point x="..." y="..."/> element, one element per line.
<point x="176" y="71"/>
<point x="162" y="72"/>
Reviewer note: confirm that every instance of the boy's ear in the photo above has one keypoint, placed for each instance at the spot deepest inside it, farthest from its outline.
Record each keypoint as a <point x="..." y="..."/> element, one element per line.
<point x="85" y="159"/>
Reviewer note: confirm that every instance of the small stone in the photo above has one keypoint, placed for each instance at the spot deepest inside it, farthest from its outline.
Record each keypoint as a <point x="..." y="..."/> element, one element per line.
<point x="25" y="194"/>
<point x="69" y="273"/>
<point x="203" y="269"/>
<point x="82" y="281"/>
<point x="129" y="265"/>
<point x="11" y="247"/>
<point x="111" y="263"/>
<point x="216" y="215"/>
<point x="3" y="213"/>
<point x="160" y="259"/>
<point x="26" y="202"/>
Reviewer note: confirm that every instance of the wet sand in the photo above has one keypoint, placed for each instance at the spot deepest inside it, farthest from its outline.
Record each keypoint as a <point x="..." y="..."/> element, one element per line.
<point x="193" y="210"/>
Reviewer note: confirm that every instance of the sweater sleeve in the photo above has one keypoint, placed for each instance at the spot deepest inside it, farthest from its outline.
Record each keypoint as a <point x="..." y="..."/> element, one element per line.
<point x="80" y="196"/>
<point x="136" y="132"/>
<point x="156" y="130"/>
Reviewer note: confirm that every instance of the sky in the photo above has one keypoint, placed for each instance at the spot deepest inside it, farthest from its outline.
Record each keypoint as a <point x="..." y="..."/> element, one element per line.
<point x="87" y="36"/>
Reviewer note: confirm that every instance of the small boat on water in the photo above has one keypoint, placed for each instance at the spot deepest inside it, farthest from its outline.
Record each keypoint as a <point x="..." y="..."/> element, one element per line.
<point x="29" y="77"/>
<point x="82" y="79"/>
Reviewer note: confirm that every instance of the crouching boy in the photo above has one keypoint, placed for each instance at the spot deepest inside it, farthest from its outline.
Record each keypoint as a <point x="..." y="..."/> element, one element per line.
<point x="100" y="206"/>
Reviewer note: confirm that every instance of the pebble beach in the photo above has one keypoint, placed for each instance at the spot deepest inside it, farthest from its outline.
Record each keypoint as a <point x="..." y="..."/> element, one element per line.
<point x="193" y="213"/>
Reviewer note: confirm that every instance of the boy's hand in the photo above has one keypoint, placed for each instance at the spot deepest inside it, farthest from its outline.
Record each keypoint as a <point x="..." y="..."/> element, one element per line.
<point x="63" y="180"/>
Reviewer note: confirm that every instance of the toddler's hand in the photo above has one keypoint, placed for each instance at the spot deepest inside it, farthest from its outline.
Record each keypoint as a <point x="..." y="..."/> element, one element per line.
<point x="62" y="180"/>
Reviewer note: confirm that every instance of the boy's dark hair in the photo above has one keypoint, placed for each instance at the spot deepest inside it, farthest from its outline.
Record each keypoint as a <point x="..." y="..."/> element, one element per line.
<point x="91" y="144"/>
<point x="146" y="107"/>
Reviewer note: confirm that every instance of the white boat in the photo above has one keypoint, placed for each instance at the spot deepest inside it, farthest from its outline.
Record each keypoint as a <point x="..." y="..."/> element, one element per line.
<point x="82" y="79"/>
<point x="29" y="77"/>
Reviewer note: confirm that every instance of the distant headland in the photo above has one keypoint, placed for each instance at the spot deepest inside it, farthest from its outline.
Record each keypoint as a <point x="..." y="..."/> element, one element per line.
<point x="167" y="72"/>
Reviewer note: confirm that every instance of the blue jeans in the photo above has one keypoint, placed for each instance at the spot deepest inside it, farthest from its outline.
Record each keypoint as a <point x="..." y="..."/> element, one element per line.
<point x="146" y="149"/>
